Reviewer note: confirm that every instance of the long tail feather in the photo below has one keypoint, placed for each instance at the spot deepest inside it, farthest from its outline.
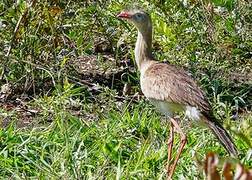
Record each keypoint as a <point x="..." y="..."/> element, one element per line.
<point x="222" y="136"/>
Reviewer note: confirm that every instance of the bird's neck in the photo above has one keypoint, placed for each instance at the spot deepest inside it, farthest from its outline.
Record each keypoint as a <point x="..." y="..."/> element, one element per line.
<point x="143" y="47"/>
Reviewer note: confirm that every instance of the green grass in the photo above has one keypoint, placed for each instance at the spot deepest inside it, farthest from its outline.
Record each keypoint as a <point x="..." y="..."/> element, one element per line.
<point x="120" y="144"/>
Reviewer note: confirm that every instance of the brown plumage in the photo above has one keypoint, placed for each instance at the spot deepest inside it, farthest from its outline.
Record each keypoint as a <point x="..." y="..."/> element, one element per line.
<point x="171" y="89"/>
<point x="165" y="82"/>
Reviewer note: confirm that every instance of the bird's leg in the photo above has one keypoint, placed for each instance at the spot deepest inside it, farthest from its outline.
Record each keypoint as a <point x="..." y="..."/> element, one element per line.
<point x="170" y="145"/>
<point x="182" y="145"/>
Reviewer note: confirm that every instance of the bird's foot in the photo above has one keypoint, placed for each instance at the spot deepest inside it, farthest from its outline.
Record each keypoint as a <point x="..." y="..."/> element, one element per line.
<point x="169" y="170"/>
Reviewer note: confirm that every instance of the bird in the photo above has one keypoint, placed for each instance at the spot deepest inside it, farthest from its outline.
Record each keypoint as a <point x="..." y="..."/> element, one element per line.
<point x="172" y="90"/>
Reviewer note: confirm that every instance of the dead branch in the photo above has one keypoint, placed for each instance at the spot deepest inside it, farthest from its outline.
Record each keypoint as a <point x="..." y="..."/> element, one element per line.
<point x="21" y="19"/>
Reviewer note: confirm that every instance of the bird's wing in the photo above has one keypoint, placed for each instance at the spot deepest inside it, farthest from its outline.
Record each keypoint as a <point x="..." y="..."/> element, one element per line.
<point x="168" y="83"/>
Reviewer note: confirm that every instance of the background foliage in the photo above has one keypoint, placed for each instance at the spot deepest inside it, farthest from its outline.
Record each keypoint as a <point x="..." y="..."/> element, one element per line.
<point x="63" y="68"/>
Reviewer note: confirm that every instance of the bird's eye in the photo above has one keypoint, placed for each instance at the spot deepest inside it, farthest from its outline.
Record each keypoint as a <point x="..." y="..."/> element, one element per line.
<point x="139" y="16"/>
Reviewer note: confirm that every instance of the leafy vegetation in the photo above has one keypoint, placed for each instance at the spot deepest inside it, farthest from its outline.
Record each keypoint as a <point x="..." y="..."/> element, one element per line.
<point x="65" y="66"/>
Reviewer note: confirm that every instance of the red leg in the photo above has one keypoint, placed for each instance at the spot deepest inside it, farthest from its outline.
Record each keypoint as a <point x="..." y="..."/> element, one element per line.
<point x="170" y="145"/>
<point x="182" y="145"/>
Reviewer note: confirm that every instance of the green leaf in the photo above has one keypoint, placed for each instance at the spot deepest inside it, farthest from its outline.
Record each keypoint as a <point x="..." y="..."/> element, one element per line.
<point x="229" y="23"/>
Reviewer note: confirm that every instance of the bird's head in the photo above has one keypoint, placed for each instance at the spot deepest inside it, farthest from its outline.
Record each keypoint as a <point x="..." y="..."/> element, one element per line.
<point x="139" y="18"/>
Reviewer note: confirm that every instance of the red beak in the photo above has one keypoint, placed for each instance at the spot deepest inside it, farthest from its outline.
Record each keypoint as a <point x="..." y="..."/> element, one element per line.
<point x="124" y="15"/>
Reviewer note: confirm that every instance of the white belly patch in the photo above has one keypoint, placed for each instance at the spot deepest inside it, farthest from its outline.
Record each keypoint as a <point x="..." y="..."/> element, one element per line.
<point x="192" y="113"/>
<point x="170" y="109"/>
<point x="167" y="108"/>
